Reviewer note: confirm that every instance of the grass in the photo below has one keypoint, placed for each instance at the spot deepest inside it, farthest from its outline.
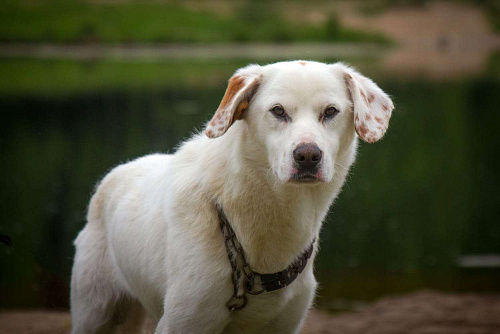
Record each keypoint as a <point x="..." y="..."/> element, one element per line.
<point x="130" y="22"/>
<point x="59" y="78"/>
<point x="493" y="9"/>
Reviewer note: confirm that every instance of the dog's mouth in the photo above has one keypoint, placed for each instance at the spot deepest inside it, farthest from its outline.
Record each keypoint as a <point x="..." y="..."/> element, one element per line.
<point x="305" y="177"/>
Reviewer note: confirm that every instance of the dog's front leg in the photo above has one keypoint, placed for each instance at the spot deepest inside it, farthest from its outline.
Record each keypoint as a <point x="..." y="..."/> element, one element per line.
<point x="291" y="318"/>
<point x="193" y="310"/>
<point x="208" y="321"/>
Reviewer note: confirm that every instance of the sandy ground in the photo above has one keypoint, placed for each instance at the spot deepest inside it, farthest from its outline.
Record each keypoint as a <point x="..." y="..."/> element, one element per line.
<point x="422" y="312"/>
<point x="442" y="39"/>
<point x="425" y="312"/>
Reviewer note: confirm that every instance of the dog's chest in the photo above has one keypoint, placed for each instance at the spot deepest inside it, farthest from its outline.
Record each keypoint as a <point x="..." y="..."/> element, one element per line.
<point x="263" y="310"/>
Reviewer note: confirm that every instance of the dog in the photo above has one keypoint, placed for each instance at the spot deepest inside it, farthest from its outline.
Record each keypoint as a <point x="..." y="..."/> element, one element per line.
<point x="181" y="237"/>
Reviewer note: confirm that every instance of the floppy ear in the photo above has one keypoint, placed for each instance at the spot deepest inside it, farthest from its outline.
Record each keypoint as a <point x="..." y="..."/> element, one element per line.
<point x="372" y="107"/>
<point x="242" y="86"/>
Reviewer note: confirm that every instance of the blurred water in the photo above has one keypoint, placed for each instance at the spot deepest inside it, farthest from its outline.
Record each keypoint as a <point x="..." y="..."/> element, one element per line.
<point x="414" y="203"/>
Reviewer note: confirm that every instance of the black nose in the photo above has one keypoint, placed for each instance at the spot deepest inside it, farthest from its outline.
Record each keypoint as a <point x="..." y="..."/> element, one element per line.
<point x="307" y="156"/>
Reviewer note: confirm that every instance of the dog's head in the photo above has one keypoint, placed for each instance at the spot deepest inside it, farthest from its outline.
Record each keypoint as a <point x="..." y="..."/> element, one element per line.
<point x="304" y="113"/>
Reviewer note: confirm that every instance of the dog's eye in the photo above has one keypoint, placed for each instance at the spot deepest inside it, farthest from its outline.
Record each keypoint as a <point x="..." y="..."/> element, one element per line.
<point x="278" y="111"/>
<point x="330" y="112"/>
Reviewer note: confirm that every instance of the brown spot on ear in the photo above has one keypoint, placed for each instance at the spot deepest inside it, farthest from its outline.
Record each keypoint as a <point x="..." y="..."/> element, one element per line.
<point x="216" y="119"/>
<point x="370" y="138"/>
<point x="368" y="117"/>
<point x="379" y="119"/>
<point x="209" y="133"/>
<point x="362" y="130"/>
<point x="371" y="98"/>
<point x="235" y="84"/>
<point x="385" y="107"/>
<point x="303" y="63"/>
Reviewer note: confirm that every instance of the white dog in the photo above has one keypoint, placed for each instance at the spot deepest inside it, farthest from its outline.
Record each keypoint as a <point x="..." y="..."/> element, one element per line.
<point x="266" y="169"/>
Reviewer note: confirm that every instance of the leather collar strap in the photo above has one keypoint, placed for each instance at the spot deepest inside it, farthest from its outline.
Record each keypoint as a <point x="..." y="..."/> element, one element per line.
<point x="244" y="279"/>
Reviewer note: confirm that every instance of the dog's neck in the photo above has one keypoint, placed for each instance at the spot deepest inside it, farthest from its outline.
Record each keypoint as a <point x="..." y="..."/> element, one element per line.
<point x="273" y="221"/>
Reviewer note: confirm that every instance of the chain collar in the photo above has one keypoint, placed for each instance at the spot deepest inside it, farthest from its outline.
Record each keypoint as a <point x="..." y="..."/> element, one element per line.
<point x="244" y="279"/>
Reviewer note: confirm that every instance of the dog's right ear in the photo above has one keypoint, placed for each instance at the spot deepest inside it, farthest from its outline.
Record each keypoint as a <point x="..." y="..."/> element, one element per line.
<point x="372" y="107"/>
<point x="242" y="86"/>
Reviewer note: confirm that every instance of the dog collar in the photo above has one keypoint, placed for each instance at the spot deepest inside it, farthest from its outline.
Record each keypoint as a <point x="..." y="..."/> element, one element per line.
<point x="244" y="279"/>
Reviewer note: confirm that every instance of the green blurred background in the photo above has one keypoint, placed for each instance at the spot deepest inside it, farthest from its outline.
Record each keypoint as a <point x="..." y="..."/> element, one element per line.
<point x="87" y="85"/>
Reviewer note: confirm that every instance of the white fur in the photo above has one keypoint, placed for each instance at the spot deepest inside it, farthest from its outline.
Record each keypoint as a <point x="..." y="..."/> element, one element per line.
<point x="153" y="234"/>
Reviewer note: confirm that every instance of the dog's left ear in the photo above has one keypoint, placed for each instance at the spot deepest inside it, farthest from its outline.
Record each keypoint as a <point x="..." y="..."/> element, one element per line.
<point x="242" y="86"/>
<point x="372" y="107"/>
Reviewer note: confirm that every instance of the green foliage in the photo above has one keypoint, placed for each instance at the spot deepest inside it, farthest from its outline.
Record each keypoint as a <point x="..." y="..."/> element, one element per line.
<point x="494" y="65"/>
<point x="152" y="22"/>
<point x="493" y="9"/>
<point x="62" y="78"/>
